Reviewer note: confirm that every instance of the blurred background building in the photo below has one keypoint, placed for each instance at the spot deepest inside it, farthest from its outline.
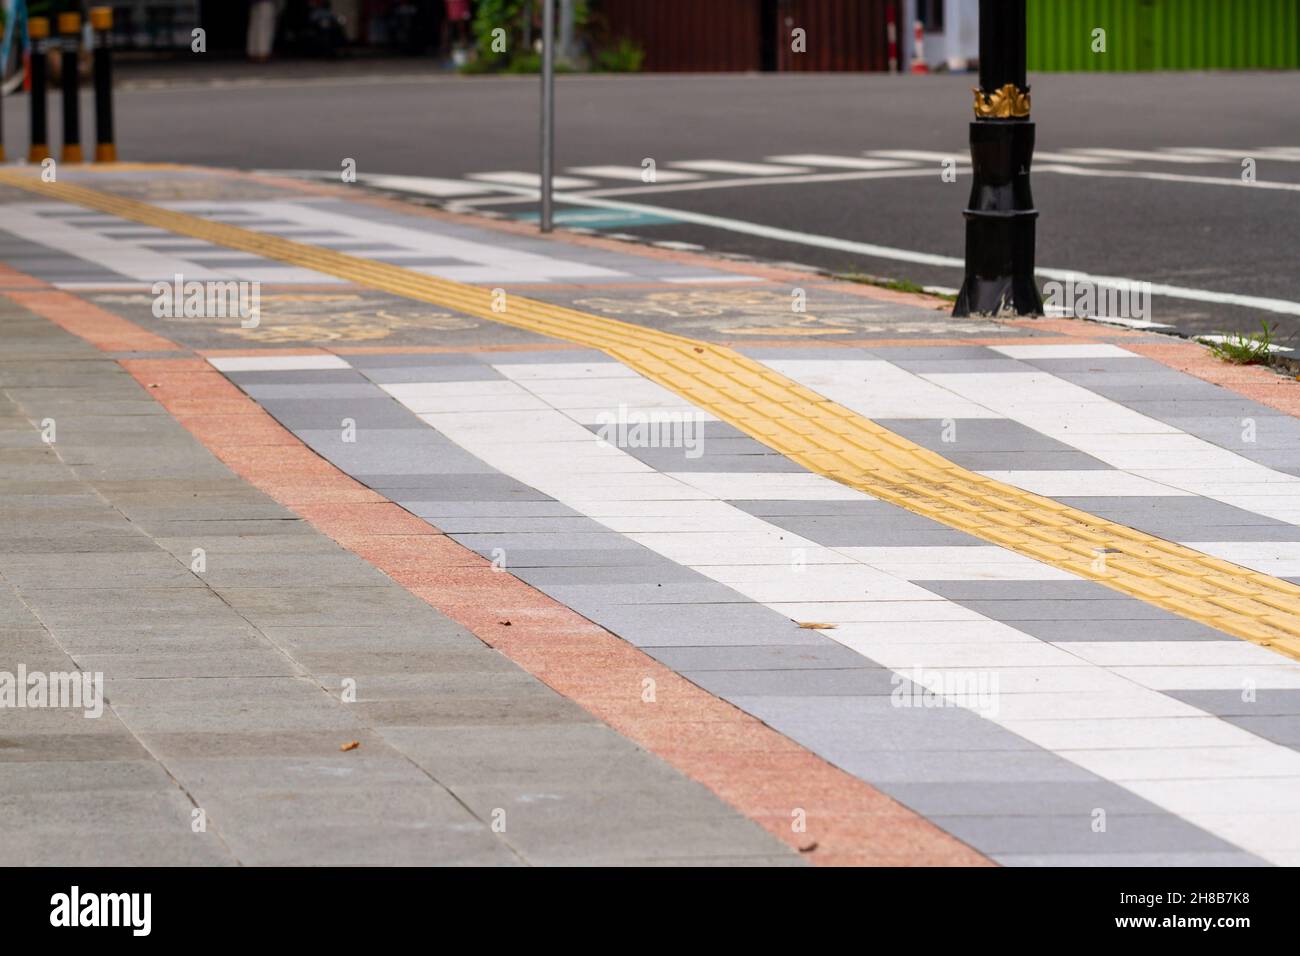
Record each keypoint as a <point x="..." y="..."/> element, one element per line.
<point x="726" y="35"/>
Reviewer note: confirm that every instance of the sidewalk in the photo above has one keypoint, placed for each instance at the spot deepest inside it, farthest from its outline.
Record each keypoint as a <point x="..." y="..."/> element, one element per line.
<point x="625" y="558"/>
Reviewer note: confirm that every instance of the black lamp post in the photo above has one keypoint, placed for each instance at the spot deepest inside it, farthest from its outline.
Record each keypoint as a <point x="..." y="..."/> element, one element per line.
<point x="1000" y="215"/>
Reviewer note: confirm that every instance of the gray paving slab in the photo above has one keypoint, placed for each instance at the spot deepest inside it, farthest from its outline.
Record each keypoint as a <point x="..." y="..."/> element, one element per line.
<point x="226" y="696"/>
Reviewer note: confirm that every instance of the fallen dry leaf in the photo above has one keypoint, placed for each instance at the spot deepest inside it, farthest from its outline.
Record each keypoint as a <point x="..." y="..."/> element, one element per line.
<point x="504" y="623"/>
<point x="808" y="847"/>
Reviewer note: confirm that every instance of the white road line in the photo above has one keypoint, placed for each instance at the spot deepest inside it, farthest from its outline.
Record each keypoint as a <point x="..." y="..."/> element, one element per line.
<point x="921" y="155"/>
<point x="736" y="169"/>
<point x="426" y="185"/>
<point x="633" y="173"/>
<point x="1049" y="156"/>
<point x="838" y="162"/>
<point x="532" y="180"/>
<point x="1280" y="153"/>
<point x="1170" y="177"/>
<point x="1141" y="154"/>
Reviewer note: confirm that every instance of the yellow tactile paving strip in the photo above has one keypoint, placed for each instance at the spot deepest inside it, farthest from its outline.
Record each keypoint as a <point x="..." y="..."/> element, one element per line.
<point x="819" y="434"/>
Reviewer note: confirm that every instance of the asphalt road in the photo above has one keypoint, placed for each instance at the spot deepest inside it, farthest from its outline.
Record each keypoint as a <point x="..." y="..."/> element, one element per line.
<point x="1210" y="235"/>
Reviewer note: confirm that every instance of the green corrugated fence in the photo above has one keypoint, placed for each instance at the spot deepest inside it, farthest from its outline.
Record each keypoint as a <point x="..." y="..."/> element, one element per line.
<point x="1164" y="35"/>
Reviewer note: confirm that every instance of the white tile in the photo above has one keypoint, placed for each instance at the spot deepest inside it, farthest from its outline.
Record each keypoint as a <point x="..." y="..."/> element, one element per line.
<point x="957" y="564"/>
<point x="979" y="631"/>
<point x="1278" y="677"/>
<point x="879" y="389"/>
<point x="1130" y="703"/>
<point x="847" y="612"/>
<point x="1204" y="799"/>
<point x="1177" y="653"/>
<point x="1183" y="763"/>
<point x="1121" y="733"/>
<point x="1278" y="558"/>
<point x="769" y="486"/>
<point x="570" y="371"/>
<point x="275" y="363"/>
<point x="970" y="655"/>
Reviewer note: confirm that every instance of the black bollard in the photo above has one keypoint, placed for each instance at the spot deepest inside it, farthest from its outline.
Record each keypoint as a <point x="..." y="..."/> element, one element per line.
<point x="70" y="40"/>
<point x="1000" y="216"/>
<point x="101" y="19"/>
<point x="38" y="28"/>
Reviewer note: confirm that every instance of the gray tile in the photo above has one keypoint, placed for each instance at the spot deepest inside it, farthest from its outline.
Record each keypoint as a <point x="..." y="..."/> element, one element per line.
<point x="1163" y="833"/>
<point x="961" y="766"/>
<point x="1142" y="860"/>
<point x="688" y="625"/>
<point x="819" y="653"/>
<point x="842" y="727"/>
<point x="795" y="682"/>
<point x="454" y="487"/>
<point x="328" y="414"/>
<point x="1085" y="629"/>
<point x="975" y="434"/>
<point x="664" y="572"/>
<point x="996" y="798"/>
<point x="1267" y="702"/>
<point x="895" y="528"/>
<point x="1096" y="610"/>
